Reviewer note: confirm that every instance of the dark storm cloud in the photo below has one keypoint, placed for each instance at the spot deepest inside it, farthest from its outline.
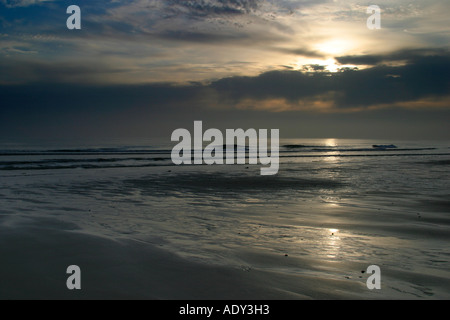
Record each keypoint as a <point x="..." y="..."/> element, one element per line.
<point x="427" y="76"/>
<point x="65" y="111"/>
<point x="424" y="76"/>
<point x="409" y="55"/>
<point x="54" y="107"/>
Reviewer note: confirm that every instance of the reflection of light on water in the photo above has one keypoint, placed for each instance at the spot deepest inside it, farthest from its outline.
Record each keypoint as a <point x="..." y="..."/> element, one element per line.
<point x="330" y="142"/>
<point x="332" y="244"/>
<point x="331" y="155"/>
<point x="333" y="204"/>
<point x="332" y="159"/>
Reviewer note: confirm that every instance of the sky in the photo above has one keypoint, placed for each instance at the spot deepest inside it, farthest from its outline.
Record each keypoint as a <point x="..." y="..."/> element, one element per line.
<point x="143" y="68"/>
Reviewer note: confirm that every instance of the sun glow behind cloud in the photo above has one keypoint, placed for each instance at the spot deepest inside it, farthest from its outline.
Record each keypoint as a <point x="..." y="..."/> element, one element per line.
<point x="335" y="47"/>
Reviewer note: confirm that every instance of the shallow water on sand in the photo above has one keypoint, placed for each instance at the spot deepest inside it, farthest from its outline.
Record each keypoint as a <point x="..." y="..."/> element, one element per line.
<point x="334" y="208"/>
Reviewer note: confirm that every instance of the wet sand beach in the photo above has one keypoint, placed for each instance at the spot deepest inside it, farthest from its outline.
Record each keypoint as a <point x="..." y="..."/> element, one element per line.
<point x="225" y="232"/>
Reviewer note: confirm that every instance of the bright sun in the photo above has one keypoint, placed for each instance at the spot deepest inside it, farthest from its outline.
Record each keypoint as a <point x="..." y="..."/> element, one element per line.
<point x="331" y="65"/>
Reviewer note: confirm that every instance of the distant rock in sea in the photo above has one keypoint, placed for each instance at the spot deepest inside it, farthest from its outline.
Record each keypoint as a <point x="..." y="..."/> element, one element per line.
<point x="384" y="146"/>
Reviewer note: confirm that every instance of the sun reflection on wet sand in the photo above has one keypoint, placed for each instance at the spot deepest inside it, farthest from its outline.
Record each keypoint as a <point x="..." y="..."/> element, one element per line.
<point x="332" y="245"/>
